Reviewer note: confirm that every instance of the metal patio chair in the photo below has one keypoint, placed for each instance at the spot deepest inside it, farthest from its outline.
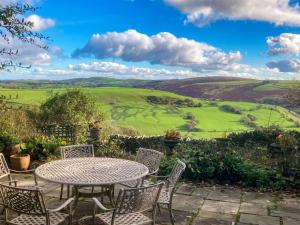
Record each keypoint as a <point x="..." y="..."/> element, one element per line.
<point x="29" y="205"/>
<point x="75" y="151"/>
<point x="168" y="189"/>
<point x="130" y="206"/>
<point x="151" y="159"/>
<point x="6" y="174"/>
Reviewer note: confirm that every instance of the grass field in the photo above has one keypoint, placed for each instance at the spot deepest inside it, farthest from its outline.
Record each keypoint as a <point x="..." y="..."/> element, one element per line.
<point x="128" y="107"/>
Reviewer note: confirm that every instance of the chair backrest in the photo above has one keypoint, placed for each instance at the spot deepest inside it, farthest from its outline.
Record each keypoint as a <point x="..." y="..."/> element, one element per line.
<point x="150" y="158"/>
<point x="139" y="199"/>
<point x="4" y="170"/>
<point x="176" y="173"/>
<point x="23" y="200"/>
<point x="76" y="151"/>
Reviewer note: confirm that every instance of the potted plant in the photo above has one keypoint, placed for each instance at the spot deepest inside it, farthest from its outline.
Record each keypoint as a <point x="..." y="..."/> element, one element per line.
<point x="21" y="160"/>
<point x="275" y="148"/>
<point x="11" y="145"/>
<point x="172" y="138"/>
<point x="95" y="130"/>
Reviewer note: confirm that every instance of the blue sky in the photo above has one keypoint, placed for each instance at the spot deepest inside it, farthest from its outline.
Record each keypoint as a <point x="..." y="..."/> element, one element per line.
<point x="200" y="39"/>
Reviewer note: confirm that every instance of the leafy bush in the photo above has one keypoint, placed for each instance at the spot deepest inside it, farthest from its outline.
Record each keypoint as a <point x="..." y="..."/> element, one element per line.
<point x="262" y="136"/>
<point x="190" y="116"/>
<point x="68" y="109"/>
<point x="42" y="147"/>
<point x="172" y="101"/>
<point x="247" y="121"/>
<point x="242" y="158"/>
<point x="226" y="168"/>
<point x="231" y="109"/>
<point x="15" y="122"/>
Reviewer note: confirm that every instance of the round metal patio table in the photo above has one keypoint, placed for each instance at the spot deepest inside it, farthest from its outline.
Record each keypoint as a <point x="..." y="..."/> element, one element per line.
<point x="91" y="171"/>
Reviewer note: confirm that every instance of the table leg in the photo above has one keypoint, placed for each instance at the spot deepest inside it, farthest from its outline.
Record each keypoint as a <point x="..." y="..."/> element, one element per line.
<point x="75" y="194"/>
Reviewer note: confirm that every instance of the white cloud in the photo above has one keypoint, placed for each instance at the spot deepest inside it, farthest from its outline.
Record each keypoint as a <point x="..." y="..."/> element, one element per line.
<point x="289" y="65"/>
<point x="163" y="48"/>
<point x="40" y="23"/>
<point x="202" y="12"/>
<point x="28" y="54"/>
<point x="121" y="69"/>
<point x="285" y="43"/>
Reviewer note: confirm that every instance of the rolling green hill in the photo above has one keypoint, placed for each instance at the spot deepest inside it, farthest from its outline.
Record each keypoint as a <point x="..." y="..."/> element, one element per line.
<point x="130" y="107"/>
<point x="221" y="88"/>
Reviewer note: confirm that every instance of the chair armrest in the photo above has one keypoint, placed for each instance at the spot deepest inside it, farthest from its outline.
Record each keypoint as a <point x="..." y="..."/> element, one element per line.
<point x="64" y="205"/>
<point x="9" y="182"/>
<point x="99" y="204"/>
<point x="23" y="171"/>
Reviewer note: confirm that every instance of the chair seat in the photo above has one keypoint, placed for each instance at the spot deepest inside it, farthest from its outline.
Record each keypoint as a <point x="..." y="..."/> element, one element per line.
<point x="55" y="219"/>
<point x="164" y="197"/>
<point x="125" y="219"/>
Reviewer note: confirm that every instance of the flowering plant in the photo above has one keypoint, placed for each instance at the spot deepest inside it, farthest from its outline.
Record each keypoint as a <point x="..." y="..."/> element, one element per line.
<point x="172" y="135"/>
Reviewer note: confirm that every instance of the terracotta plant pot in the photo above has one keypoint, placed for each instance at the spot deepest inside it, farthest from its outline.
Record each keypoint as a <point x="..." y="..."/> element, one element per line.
<point x="20" y="162"/>
<point x="95" y="133"/>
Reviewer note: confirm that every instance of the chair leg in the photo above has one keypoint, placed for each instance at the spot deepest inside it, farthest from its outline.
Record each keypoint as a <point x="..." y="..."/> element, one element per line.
<point x="158" y="209"/>
<point x="171" y="214"/>
<point x="68" y="191"/>
<point x="61" y="192"/>
<point x="70" y="220"/>
<point x="111" y="195"/>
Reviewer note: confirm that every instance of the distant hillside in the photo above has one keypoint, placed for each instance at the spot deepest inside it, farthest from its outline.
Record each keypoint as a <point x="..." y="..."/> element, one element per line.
<point x="77" y="82"/>
<point x="220" y="88"/>
<point x="232" y="89"/>
<point x="152" y="112"/>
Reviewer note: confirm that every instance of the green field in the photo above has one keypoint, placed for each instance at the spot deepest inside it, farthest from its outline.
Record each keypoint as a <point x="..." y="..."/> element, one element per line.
<point x="128" y="107"/>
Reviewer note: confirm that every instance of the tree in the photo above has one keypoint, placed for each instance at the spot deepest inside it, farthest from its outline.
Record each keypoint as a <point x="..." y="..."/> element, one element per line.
<point x="14" y="26"/>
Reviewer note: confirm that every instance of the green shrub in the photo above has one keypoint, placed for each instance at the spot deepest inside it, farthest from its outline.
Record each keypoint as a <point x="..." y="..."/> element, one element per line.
<point x="42" y="147"/>
<point x="230" y="109"/>
<point x="247" y="121"/>
<point x="68" y="109"/>
<point x="15" y="122"/>
<point x="226" y="168"/>
<point x="172" y="101"/>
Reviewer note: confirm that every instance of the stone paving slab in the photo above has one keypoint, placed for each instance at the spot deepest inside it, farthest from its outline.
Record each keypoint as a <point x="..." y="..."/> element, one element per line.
<point x="201" y="192"/>
<point x="252" y="208"/>
<point x="286" y="214"/>
<point x="185" y="189"/>
<point x="225" y="194"/>
<point x="181" y="218"/>
<point x="258" y="198"/>
<point x="220" y="207"/>
<point x="194" y="205"/>
<point x="259" y="220"/>
<point x="289" y="221"/>
<point x="187" y="203"/>
<point x="211" y="221"/>
<point x="213" y="215"/>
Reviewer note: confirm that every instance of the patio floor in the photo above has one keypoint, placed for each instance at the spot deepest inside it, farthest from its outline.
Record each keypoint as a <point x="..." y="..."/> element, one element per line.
<point x="218" y="205"/>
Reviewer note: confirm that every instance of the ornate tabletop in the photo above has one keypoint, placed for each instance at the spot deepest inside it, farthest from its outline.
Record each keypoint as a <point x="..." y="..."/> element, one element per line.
<point x="91" y="171"/>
